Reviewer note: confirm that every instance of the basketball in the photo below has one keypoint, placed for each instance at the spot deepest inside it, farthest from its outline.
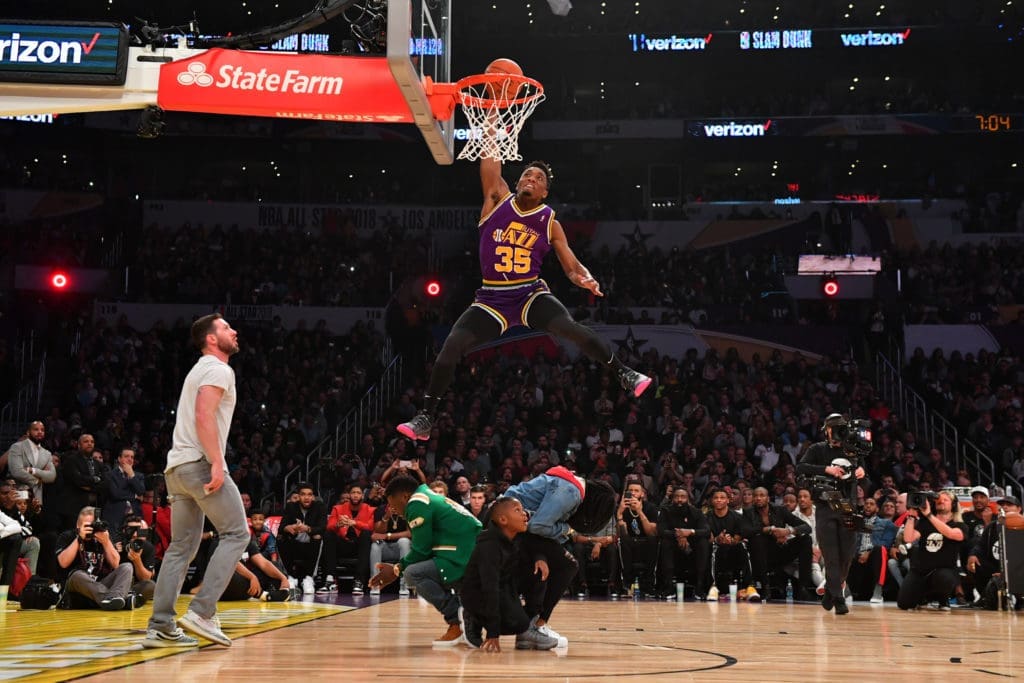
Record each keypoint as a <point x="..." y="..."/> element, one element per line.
<point x="1014" y="520"/>
<point x="503" y="90"/>
<point x="503" y="65"/>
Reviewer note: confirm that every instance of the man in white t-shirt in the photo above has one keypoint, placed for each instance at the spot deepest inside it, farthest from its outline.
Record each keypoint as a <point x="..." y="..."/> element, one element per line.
<point x="198" y="487"/>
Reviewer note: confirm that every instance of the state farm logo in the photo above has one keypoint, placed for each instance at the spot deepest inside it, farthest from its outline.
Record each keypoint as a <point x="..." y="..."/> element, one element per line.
<point x="289" y="81"/>
<point x="196" y="74"/>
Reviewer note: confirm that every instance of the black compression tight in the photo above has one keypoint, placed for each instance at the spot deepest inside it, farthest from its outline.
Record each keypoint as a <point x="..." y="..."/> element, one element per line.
<point x="549" y="315"/>
<point x="475" y="327"/>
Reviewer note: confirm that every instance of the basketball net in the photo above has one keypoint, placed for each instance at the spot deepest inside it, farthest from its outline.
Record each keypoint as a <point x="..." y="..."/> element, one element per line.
<point x="496" y="107"/>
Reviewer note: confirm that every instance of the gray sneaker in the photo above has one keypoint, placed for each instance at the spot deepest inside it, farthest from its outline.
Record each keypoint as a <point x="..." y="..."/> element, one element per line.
<point x="418" y="428"/>
<point x="533" y="639"/>
<point x="156" y="638"/>
<point x="207" y="628"/>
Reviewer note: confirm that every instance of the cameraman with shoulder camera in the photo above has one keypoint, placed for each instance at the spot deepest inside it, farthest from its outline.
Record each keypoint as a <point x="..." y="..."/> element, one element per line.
<point x="933" y="561"/>
<point x="835" y="487"/>
<point x="92" y="563"/>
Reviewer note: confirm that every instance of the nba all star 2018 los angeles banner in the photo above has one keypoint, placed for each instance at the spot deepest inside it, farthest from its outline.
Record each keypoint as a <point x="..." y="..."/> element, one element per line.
<point x="293" y="86"/>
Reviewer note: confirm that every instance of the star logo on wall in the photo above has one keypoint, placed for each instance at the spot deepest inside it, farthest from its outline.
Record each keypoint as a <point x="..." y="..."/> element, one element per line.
<point x="631" y="343"/>
<point x="637" y="238"/>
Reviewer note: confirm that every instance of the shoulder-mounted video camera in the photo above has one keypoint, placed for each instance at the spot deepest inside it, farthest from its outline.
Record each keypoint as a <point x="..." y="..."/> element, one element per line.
<point x="853" y="436"/>
<point x="917" y="500"/>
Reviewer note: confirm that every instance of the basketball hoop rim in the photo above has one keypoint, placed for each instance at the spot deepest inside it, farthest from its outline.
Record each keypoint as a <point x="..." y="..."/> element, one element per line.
<point x="470" y="100"/>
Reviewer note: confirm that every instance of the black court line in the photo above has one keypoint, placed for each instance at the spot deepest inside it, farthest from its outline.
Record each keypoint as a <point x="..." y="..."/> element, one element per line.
<point x="728" y="660"/>
<point x="994" y="673"/>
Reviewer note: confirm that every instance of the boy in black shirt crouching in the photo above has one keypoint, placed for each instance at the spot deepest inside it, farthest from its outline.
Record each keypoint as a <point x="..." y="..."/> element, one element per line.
<point x="489" y="596"/>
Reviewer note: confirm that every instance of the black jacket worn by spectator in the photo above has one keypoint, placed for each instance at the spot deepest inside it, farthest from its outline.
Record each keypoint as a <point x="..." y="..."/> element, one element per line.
<point x="315" y="517"/>
<point x="83" y="482"/>
<point x="778" y="516"/>
<point x="672" y="517"/>
<point x="983" y="546"/>
<point x="122" y="496"/>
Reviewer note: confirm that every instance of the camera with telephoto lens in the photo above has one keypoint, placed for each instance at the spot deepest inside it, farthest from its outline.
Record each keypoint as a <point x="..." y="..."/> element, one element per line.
<point x="917" y="500"/>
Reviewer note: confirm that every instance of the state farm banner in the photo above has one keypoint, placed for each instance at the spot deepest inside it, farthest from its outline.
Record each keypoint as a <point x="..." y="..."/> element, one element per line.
<point x="291" y="86"/>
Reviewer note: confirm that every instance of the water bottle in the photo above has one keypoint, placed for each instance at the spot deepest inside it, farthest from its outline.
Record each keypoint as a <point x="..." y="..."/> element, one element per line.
<point x="636" y="590"/>
<point x="789" y="591"/>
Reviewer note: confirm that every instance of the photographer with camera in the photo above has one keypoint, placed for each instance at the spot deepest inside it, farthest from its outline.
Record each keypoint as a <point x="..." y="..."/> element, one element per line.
<point x="834" y="485"/>
<point x="935" y="520"/>
<point x="137" y="550"/>
<point x="92" y="563"/>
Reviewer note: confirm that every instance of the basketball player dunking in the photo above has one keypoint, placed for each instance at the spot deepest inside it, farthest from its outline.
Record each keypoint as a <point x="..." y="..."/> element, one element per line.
<point x="516" y="232"/>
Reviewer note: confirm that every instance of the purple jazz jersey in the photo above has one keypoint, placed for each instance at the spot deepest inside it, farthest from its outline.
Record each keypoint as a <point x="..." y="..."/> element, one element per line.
<point x="513" y="243"/>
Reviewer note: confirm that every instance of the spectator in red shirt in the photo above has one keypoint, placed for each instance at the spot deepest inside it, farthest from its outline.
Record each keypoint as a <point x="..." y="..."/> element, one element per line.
<point x="349" y="532"/>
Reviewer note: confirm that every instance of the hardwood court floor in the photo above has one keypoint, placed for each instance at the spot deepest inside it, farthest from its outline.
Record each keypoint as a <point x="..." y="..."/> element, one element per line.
<point x="644" y="641"/>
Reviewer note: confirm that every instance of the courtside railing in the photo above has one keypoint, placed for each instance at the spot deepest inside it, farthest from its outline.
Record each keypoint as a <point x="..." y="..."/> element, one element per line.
<point x="24" y="406"/>
<point x="934" y="428"/>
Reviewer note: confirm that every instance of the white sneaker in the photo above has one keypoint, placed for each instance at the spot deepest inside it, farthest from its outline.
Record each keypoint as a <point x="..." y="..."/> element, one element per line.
<point x="308" y="587"/>
<point x="375" y="590"/>
<point x="207" y="628"/>
<point x="294" y="583"/>
<point x="713" y="593"/>
<point x="550" y="633"/>
<point x="876" y="597"/>
<point x="403" y="590"/>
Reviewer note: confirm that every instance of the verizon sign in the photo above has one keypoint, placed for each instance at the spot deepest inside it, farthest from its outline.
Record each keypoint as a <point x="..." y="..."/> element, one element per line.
<point x="731" y="129"/>
<point x="302" y="86"/>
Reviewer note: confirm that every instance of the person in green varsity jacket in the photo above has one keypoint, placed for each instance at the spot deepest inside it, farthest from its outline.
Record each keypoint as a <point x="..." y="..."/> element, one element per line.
<point x="443" y="537"/>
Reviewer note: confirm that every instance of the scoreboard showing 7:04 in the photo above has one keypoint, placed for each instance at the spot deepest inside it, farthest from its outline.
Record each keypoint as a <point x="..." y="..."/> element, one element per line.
<point x="997" y="123"/>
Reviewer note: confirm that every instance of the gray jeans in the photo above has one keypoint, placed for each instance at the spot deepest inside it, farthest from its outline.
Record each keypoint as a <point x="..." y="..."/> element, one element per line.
<point x="113" y="585"/>
<point x="426" y="579"/>
<point x="190" y="504"/>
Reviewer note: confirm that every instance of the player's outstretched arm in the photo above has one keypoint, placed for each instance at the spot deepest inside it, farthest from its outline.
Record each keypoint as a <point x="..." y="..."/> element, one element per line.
<point x="574" y="270"/>
<point x="494" y="186"/>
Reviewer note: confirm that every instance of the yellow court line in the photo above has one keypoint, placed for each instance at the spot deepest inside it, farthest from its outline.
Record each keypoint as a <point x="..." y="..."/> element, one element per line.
<point x="58" y="645"/>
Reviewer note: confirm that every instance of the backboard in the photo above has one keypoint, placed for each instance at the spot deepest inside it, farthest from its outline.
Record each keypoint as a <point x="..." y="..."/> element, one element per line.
<point x="419" y="45"/>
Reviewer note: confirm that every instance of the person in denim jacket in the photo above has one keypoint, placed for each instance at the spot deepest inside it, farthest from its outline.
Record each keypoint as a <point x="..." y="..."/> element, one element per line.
<point x="560" y="504"/>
